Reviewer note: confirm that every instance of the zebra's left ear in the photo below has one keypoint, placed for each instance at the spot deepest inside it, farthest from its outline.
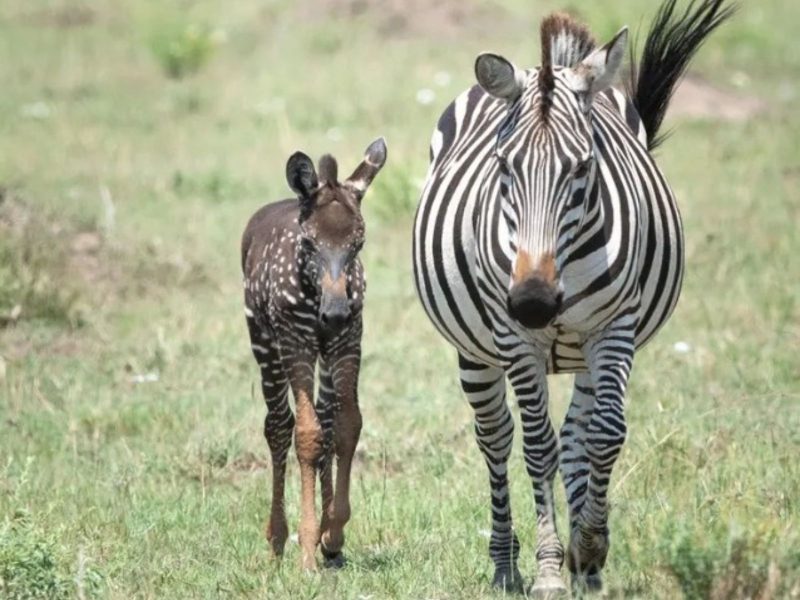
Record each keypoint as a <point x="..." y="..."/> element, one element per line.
<point x="499" y="77"/>
<point x="374" y="159"/>
<point x="597" y="71"/>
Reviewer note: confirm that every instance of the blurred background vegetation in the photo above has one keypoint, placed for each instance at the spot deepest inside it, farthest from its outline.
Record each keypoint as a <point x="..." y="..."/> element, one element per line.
<point x="136" y="138"/>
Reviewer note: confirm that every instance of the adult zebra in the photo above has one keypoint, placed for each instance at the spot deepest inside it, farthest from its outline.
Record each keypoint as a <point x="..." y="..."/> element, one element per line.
<point x="548" y="241"/>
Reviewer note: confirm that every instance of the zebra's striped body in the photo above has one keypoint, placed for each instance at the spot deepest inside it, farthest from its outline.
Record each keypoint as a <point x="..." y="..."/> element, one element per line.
<point x="548" y="241"/>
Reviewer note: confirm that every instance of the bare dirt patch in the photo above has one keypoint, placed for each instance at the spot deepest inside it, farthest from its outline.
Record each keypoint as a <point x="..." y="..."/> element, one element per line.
<point x="408" y="18"/>
<point x="697" y="98"/>
<point x="62" y="17"/>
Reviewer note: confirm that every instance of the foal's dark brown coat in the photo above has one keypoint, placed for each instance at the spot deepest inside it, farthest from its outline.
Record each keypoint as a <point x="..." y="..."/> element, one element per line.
<point x="304" y="288"/>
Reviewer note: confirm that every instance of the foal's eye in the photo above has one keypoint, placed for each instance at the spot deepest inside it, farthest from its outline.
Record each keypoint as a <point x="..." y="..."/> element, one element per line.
<point x="309" y="245"/>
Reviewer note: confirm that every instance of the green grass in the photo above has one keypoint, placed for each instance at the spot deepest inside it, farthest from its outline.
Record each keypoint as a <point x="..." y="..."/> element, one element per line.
<point x="110" y="488"/>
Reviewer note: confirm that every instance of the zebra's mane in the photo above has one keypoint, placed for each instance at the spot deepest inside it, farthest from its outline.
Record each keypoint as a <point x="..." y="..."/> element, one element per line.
<point x="565" y="42"/>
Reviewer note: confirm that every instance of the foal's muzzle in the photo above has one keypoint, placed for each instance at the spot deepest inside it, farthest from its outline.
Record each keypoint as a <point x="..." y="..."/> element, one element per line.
<point x="335" y="315"/>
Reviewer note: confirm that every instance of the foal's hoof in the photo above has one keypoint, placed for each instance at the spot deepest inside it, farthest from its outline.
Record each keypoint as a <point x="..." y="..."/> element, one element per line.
<point x="549" y="587"/>
<point x="333" y="561"/>
<point x="508" y="580"/>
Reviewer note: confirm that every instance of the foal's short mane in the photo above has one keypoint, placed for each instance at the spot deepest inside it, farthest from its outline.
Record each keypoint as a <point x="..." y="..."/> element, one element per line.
<point x="565" y="42"/>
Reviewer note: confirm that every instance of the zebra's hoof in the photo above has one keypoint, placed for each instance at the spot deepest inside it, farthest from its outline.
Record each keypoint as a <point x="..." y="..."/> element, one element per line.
<point x="508" y="580"/>
<point x="586" y="584"/>
<point x="549" y="587"/>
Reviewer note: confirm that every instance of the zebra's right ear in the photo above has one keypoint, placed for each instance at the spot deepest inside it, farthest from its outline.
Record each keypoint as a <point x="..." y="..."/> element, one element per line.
<point x="301" y="176"/>
<point x="498" y="77"/>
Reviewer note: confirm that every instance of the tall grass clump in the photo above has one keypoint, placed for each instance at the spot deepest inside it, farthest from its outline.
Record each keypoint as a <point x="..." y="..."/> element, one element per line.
<point x="34" y="283"/>
<point x="724" y="561"/>
<point x="181" y="47"/>
<point x="34" y="566"/>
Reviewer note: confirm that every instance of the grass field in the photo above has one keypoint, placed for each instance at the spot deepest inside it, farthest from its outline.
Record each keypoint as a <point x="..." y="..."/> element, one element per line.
<point x="132" y="462"/>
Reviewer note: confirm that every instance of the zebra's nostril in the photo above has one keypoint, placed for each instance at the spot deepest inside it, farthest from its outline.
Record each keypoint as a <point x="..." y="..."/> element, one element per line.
<point x="534" y="302"/>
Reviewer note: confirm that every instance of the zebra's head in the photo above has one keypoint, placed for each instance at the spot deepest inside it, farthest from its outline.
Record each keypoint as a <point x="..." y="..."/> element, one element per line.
<point x="332" y="228"/>
<point x="545" y="156"/>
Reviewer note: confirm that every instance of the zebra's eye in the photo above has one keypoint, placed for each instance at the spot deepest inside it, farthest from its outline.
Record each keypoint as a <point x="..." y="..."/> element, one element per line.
<point x="582" y="170"/>
<point x="503" y="163"/>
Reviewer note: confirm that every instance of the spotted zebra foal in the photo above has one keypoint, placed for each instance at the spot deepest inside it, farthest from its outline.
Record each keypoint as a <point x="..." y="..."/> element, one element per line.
<point x="303" y="291"/>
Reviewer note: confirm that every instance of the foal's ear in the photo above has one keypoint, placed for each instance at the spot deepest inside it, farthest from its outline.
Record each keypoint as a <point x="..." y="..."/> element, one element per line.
<point x="301" y="176"/>
<point x="374" y="158"/>
<point x="597" y="71"/>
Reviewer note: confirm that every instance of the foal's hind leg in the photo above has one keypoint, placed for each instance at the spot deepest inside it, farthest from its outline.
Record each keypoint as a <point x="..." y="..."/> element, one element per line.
<point x="325" y="404"/>
<point x="346" y="431"/>
<point x="278" y="427"/>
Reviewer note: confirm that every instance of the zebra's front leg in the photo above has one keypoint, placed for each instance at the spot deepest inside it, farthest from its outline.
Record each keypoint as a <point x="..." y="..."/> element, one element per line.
<point x="574" y="459"/>
<point x="485" y="389"/>
<point x="528" y="375"/>
<point x="609" y="357"/>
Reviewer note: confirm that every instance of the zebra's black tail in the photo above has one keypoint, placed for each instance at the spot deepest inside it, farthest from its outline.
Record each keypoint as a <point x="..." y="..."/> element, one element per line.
<point x="670" y="45"/>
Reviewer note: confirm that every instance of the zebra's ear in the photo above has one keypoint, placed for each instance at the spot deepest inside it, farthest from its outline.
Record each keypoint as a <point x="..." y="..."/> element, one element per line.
<point x="597" y="71"/>
<point x="498" y="77"/>
<point x="374" y="159"/>
<point x="301" y="176"/>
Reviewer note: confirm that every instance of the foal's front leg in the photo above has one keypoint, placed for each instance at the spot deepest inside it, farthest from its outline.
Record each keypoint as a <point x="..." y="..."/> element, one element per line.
<point x="346" y="431"/>
<point x="308" y="445"/>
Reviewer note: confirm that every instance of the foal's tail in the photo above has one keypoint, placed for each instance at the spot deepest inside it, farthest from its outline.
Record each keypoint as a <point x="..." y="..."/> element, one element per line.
<point x="670" y="45"/>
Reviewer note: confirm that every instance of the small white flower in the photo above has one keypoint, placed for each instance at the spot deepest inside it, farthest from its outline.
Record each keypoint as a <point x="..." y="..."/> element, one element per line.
<point x="682" y="347"/>
<point x="486" y="533"/>
<point x="425" y="96"/>
<point x="144" y="378"/>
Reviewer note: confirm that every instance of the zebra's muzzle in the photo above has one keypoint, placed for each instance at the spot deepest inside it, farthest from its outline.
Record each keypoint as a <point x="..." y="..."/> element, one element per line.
<point x="534" y="302"/>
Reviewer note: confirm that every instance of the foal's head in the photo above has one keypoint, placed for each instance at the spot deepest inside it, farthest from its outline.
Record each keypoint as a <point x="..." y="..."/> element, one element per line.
<point x="332" y="228"/>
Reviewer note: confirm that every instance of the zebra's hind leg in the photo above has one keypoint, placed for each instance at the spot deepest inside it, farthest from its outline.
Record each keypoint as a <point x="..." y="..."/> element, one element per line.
<point x="609" y="357"/>
<point x="485" y="389"/>
<point x="575" y="466"/>
<point x="528" y="377"/>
